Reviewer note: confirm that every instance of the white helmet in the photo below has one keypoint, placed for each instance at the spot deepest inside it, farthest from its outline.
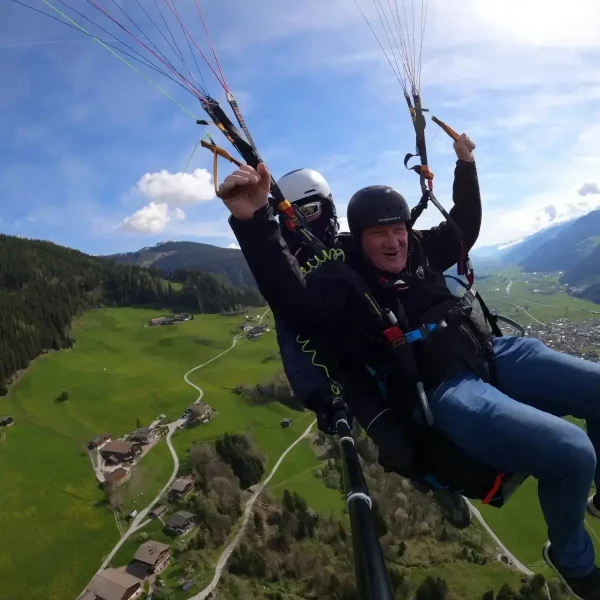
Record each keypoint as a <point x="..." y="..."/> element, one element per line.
<point x="309" y="190"/>
<point x="303" y="183"/>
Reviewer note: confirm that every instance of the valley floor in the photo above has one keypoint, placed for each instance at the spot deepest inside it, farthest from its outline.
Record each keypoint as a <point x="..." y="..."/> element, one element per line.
<point x="119" y="374"/>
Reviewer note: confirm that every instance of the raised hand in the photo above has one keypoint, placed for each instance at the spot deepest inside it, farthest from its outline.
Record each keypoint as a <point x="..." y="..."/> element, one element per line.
<point x="246" y="190"/>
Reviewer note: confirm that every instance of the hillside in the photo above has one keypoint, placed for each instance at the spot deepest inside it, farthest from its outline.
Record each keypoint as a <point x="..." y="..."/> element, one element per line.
<point x="516" y="251"/>
<point x="43" y="286"/>
<point x="587" y="271"/>
<point x="566" y="249"/>
<point x="170" y="256"/>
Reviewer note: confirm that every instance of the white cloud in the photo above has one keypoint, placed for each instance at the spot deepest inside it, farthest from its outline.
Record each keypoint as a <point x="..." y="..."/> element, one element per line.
<point x="234" y="246"/>
<point x="150" y="219"/>
<point x="167" y="193"/>
<point x="533" y="214"/>
<point x="177" y="189"/>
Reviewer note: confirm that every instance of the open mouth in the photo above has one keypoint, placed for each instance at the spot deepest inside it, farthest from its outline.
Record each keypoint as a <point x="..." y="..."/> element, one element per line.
<point x="392" y="255"/>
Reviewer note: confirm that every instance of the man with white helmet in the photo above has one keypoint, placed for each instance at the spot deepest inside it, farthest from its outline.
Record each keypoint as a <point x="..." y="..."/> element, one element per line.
<point x="310" y="192"/>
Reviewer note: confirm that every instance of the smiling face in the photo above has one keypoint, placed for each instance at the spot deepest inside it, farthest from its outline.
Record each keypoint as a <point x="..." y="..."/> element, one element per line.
<point x="386" y="246"/>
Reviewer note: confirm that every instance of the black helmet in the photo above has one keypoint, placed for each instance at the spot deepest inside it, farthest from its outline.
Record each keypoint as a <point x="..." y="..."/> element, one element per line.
<point x="376" y="205"/>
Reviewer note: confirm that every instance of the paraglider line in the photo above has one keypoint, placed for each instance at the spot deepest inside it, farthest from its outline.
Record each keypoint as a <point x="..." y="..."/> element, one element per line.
<point x="103" y="11"/>
<point x="191" y="37"/>
<point x="211" y="46"/>
<point x="205" y="88"/>
<point x="398" y="77"/>
<point x="144" y="34"/>
<point x="81" y="28"/>
<point x="142" y="59"/>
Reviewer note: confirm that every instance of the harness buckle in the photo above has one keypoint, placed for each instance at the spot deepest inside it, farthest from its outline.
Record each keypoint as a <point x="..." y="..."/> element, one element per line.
<point x="394" y="335"/>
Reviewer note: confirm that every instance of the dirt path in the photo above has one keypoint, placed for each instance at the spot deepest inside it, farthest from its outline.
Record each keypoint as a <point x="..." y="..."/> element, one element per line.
<point x="247" y="512"/>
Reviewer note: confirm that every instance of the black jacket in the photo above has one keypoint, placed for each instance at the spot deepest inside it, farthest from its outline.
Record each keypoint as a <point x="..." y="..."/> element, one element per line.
<point x="315" y="309"/>
<point x="322" y="305"/>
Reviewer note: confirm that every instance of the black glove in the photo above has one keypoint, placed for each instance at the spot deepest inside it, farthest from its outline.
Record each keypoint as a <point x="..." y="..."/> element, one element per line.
<point x="326" y="405"/>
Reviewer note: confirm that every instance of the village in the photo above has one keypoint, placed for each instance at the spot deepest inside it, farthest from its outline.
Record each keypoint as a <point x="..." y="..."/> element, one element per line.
<point x="578" y="339"/>
<point x="113" y="461"/>
<point x="151" y="557"/>
<point x="252" y="332"/>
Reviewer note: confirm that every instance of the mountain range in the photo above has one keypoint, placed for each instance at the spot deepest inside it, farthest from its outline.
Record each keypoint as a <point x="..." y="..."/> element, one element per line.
<point x="572" y="247"/>
<point x="171" y="256"/>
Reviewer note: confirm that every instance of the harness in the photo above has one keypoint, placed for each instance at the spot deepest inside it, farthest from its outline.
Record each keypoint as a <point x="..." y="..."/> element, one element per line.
<point x="383" y="325"/>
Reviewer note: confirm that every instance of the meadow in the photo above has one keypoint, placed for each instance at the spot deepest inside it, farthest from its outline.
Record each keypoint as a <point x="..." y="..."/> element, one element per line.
<point x="122" y="373"/>
<point x="119" y="373"/>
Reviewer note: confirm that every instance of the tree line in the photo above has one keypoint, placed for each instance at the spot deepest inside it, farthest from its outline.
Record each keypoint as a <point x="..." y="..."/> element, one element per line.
<point x="44" y="285"/>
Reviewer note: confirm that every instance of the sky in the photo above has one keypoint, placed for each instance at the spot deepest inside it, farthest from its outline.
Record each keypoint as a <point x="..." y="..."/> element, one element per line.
<point x="97" y="158"/>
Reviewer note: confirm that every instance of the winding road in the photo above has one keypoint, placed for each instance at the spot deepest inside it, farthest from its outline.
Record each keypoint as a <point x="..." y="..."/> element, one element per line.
<point x="517" y="563"/>
<point x="138" y="522"/>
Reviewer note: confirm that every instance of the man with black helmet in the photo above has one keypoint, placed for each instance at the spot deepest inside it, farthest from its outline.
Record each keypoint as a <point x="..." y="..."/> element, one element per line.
<point x="499" y="400"/>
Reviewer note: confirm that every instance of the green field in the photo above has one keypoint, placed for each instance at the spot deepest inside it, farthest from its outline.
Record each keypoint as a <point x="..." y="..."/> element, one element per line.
<point x="548" y="303"/>
<point x="119" y="371"/>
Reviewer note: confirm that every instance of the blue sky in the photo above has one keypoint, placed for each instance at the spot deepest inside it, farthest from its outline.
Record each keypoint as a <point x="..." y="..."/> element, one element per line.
<point x="93" y="155"/>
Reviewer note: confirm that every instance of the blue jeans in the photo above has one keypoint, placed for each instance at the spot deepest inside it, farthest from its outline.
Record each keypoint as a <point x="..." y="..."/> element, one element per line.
<point x="516" y="428"/>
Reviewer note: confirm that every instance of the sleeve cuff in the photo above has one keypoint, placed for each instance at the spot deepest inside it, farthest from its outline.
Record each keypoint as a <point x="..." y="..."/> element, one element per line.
<point x="261" y="216"/>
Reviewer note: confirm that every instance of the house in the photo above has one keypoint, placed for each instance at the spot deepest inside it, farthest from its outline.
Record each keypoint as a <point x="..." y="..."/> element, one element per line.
<point x="154" y="555"/>
<point x="117" y="477"/>
<point x="181" y="522"/>
<point x="183" y="317"/>
<point x="145" y="435"/>
<point x="112" y="584"/>
<point x="286" y="422"/>
<point x="157" y="321"/>
<point x="158" y="511"/>
<point x="117" y="452"/>
<point x="6" y="421"/>
<point x="181" y="487"/>
<point x="99" y="442"/>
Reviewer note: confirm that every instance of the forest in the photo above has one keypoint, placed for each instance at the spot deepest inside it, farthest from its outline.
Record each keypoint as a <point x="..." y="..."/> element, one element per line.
<point x="43" y="286"/>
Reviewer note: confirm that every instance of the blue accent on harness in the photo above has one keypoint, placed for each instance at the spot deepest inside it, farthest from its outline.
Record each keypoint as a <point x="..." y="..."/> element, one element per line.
<point x="417" y="334"/>
<point x="410" y="337"/>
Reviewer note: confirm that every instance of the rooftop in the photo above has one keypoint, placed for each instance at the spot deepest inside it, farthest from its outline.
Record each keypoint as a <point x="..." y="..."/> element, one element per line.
<point x="119" y="447"/>
<point x="111" y="584"/>
<point x="150" y="551"/>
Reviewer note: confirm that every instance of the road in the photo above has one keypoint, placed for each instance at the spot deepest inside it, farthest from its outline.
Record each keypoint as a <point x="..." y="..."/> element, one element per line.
<point x="247" y="512"/>
<point x="235" y="340"/>
<point x="138" y="522"/>
<point x="520" y="566"/>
